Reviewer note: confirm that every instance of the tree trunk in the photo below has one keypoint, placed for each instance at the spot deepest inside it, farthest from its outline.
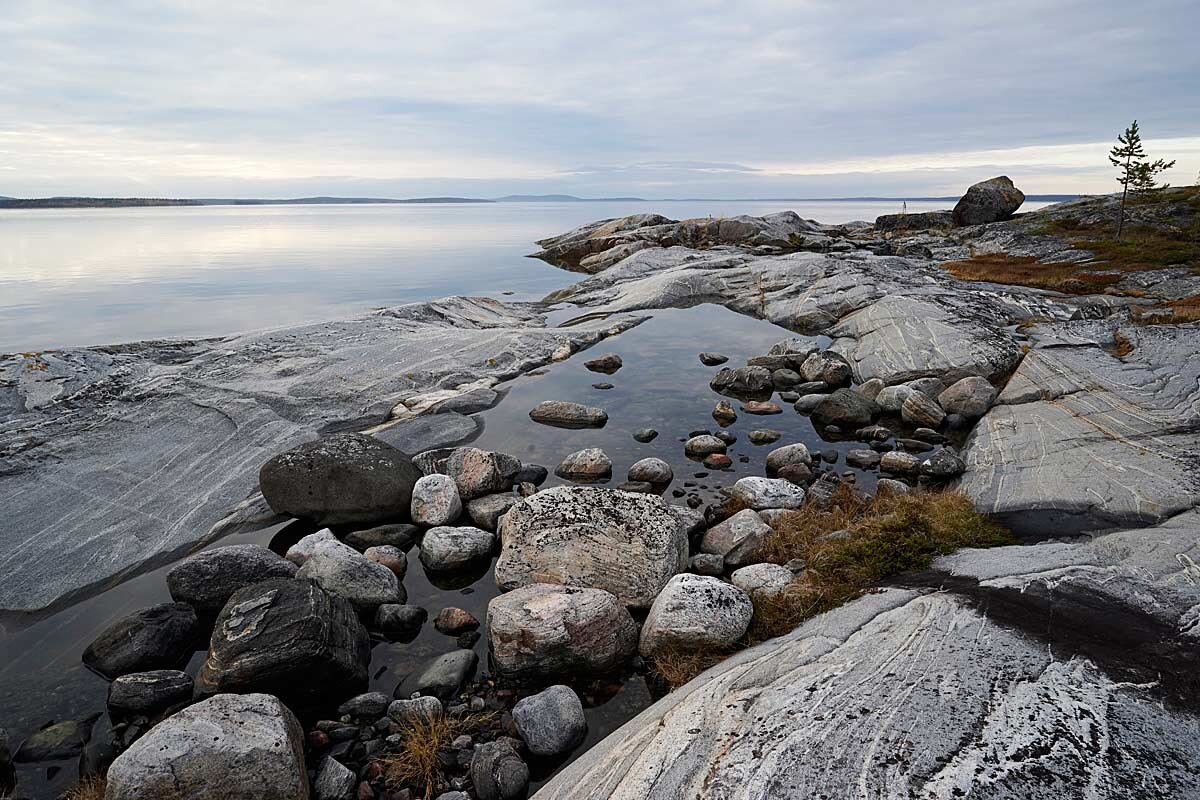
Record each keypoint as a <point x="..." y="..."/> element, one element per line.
<point x="1124" y="194"/>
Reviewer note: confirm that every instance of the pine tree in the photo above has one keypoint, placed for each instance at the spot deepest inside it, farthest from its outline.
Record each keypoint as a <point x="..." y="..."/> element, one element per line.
<point x="1137" y="172"/>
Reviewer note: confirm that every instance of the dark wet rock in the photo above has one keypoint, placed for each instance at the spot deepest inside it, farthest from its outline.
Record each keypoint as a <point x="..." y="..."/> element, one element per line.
<point x="435" y="501"/>
<point x="700" y="446"/>
<point x="532" y="473"/>
<point x="470" y="402"/>
<point x="707" y="564"/>
<point x="639" y="487"/>
<point x="289" y="638"/>
<point x="928" y="435"/>
<point x="738" y="540"/>
<point x="391" y="557"/>
<point x="724" y="412"/>
<point x="845" y="408"/>
<point x="874" y="433"/>
<point x="344" y="572"/>
<point x="401" y="535"/>
<point x="988" y="201"/>
<point x="229" y="746"/>
<point x="149" y="692"/>
<point x="452" y="621"/>
<point x="206" y="580"/>
<point x="551" y="721"/>
<point x="339" y="479"/>
<point x="789" y="397"/>
<point x="367" y="706"/>
<point x="891" y="398"/>
<point x="443" y="677"/>
<point x="159" y="637"/>
<point x="712" y="359"/>
<point x="799" y="474"/>
<point x="479" y="472"/>
<point x="55" y="742"/>
<point x="543" y="631"/>
<point x="450" y="549"/>
<point x="742" y="381"/>
<point x="827" y="367"/>
<point x="808" y="402"/>
<point x="929" y="386"/>
<point x="561" y="414"/>
<point x="651" y="470"/>
<point x="645" y="435"/>
<point x="900" y="463"/>
<point x="602" y="386"/>
<point x="497" y="772"/>
<point x="786" y="456"/>
<point x="726" y="437"/>
<point x="919" y="410"/>
<point x="486" y="511"/>
<point x="785" y="378"/>
<point x="943" y="464"/>
<point x="628" y="544"/>
<point x="761" y="407"/>
<point x="969" y="397"/>
<point x="863" y="459"/>
<point x="695" y="612"/>
<point x="871" y="388"/>
<point x="812" y="387"/>
<point x="591" y="464"/>
<point x="764" y="436"/>
<point x="607" y="363"/>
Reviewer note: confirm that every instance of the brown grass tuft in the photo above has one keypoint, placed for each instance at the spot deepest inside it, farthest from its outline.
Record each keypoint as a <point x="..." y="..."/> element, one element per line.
<point x="1027" y="271"/>
<point x="1121" y="346"/>
<point x="1169" y="312"/>
<point x="89" y="788"/>
<point x="415" y="764"/>
<point x="678" y="666"/>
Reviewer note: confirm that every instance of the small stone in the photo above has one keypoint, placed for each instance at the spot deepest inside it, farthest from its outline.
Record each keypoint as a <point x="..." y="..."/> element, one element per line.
<point x="970" y="397"/>
<point x="761" y="408"/>
<point x="707" y="564"/>
<point x="561" y="414"/>
<point x="808" y="402"/>
<point x="871" y="388"/>
<point x="874" y="433"/>
<point x="453" y="620"/>
<point x="786" y="456"/>
<point x="764" y="436"/>
<point x="639" y="487"/>
<point x="827" y="367"/>
<point x="742" y="381"/>
<point x="550" y="722"/>
<point x="498" y="773"/>
<point x="930" y="387"/>
<point x="712" y="359"/>
<point x="607" y="363"/>
<point x="928" y="435"/>
<point x="789" y="397"/>
<point x="943" y="464"/>
<point x="738" y="540"/>
<point x="401" y="535"/>
<point x="700" y="446"/>
<point x="407" y="711"/>
<point x="812" y="387"/>
<point x="863" y="459"/>
<point x="149" y="692"/>
<point x="724" y="413"/>
<point x="920" y="410"/>
<point x="891" y="398"/>
<point x="366" y="706"/>
<point x="435" y="501"/>
<point x="845" y="408"/>
<point x="478" y="472"/>
<point x="396" y="620"/>
<point x="900" y="463"/>
<point x="799" y="474"/>
<point x="159" y="637"/>
<point x="718" y="461"/>
<point x="486" y="511"/>
<point x="886" y="486"/>
<point x="785" y="378"/>
<point x="762" y="581"/>
<point x="443" y="677"/>
<point x="651" y="470"/>
<point x="645" y="435"/>
<point x="391" y="557"/>
<point x="726" y="437"/>
<point x="760" y="493"/>
<point x="602" y="386"/>
<point x="914" y="445"/>
<point x="334" y="781"/>
<point x="61" y="740"/>
<point x="532" y="473"/>
<point x="591" y="464"/>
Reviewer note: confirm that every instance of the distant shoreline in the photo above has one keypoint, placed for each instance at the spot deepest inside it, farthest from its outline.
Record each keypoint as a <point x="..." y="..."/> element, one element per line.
<point x="151" y="202"/>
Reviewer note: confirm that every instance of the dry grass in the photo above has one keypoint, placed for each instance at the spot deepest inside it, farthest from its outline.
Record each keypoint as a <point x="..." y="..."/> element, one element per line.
<point x="1121" y="346"/>
<point x="888" y="534"/>
<point x="415" y="764"/>
<point x="1027" y="271"/>
<point x="89" y="788"/>
<point x="1169" y="312"/>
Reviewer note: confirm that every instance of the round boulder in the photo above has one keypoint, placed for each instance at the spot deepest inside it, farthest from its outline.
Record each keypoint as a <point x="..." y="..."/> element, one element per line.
<point x="560" y="414"/>
<point x="695" y="612"/>
<point x="451" y="549"/>
<point x="786" y="456"/>
<point x="343" y="571"/>
<point x="845" y="408"/>
<point x="149" y="692"/>
<point x="970" y="397"/>
<point x="206" y="580"/>
<point x="763" y="493"/>
<point x="479" y="472"/>
<point x="584" y="466"/>
<point x="827" y="367"/>
<point x="551" y="721"/>
<point x="988" y="201"/>
<point x="651" y="470"/>
<point x="435" y="501"/>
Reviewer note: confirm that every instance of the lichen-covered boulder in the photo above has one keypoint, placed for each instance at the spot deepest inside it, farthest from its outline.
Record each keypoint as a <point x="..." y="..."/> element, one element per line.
<point x="340" y="479"/>
<point x="625" y="543"/>
<point x="232" y="746"/>
<point x="695" y="612"/>
<point x="479" y="472"/>
<point x="450" y="549"/>
<point x="435" y="501"/>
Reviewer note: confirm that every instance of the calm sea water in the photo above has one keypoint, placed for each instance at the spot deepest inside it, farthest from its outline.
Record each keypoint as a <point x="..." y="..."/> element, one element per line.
<point x="101" y="276"/>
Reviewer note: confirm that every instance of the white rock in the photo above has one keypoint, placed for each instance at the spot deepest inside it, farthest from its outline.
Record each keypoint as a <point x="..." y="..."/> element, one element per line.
<point x="738" y="539"/>
<point x="762" y="581"/>
<point x="446" y="549"/>
<point x="435" y="501"/>
<point x="343" y="571"/>
<point x="695" y="612"/>
<point x="762" y="493"/>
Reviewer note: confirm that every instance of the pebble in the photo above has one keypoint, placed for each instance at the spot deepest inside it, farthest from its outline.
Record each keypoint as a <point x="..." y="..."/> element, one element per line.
<point x="453" y="620"/>
<point x="712" y="359"/>
<point x="645" y="435"/>
<point x="762" y="408"/>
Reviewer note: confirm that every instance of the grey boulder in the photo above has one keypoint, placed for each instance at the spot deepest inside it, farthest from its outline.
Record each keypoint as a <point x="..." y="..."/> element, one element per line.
<point x="497" y="772"/>
<point x="486" y="511"/>
<point x="970" y="397"/>
<point x="343" y="478"/>
<point x="651" y="470"/>
<point x="845" y="408"/>
<point x="742" y="381"/>
<point x="988" y="201"/>
<point x="442" y="677"/>
<point x="551" y="721"/>
<point x="206" y="580"/>
<point x="149" y="692"/>
<point x="764" y="493"/>
<point x="344" y="572"/>
<point x="587" y="465"/>
<point x="452" y="549"/>
<point x="435" y="501"/>
<point x="561" y="414"/>
<point x="695" y="612"/>
<point x="762" y="582"/>
<point x="828" y="367"/>
<point x="479" y="472"/>
<point x="159" y="637"/>
<point x="334" y="781"/>
<point x="738" y="540"/>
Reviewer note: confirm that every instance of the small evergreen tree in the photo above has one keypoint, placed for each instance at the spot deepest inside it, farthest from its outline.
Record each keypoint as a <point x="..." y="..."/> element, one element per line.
<point x="1137" y="172"/>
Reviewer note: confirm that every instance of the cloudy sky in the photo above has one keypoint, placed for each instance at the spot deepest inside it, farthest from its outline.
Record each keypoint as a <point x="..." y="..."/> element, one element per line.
<point x="769" y="98"/>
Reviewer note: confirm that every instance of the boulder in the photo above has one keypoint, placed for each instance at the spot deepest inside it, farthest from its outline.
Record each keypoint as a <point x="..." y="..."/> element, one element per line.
<point x="738" y="540"/>
<point x="724" y="412"/>
<point x="764" y="436"/>
<point x="970" y="397"/>
<point x="704" y="445"/>
<point x="399" y="621"/>
<point x="651" y="470"/>
<point x="845" y="408"/>
<point x="532" y="473"/>
<point x="828" y="367"/>
<point x="607" y="363"/>
<point x="762" y="493"/>
<point x="55" y="742"/>
<point x="929" y="386"/>
<point x="988" y="201"/>
<point x="368" y="706"/>
<point x="785" y="378"/>
<point x="149" y="692"/>
<point x="486" y="511"/>
<point x="786" y="456"/>
<point x="925" y="220"/>
<point x="343" y="571"/>
<point x="452" y="549"/>
<point x="561" y="414"/>
<point x="919" y="410"/>
<point x="228" y="746"/>
<point x="742" y="381"/>
<point x="587" y="465"/>
<point x="401" y="535"/>
<point x="334" y="781"/>
<point x="900" y="463"/>
<point x="479" y="472"/>
<point x="453" y="620"/>
<point x="545" y="631"/>
<point x="762" y="581"/>
<point x="713" y="359"/>
<point x="870" y="389"/>
<point x="343" y="478"/>
<point x="303" y="549"/>
<point x="891" y="398"/>
<point x="442" y="677"/>
<point x="625" y="543"/>
<point x="289" y="638"/>
<point x="695" y="612"/>
<point x="808" y="403"/>
<point x="645" y="435"/>
<point x="498" y="773"/>
<point x="206" y="580"/>
<point x="761" y="407"/>
<point x="435" y="501"/>
<point x="707" y="564"/>
<point x="943" y="464"/>
<point x="550" y="722"/>
<point x="391" y="557"/>
<point x="408" y="711"/>
<point x="159" y="637"/>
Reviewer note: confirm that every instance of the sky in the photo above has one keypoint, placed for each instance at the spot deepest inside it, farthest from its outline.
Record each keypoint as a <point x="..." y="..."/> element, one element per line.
<point x="762" y="99"/>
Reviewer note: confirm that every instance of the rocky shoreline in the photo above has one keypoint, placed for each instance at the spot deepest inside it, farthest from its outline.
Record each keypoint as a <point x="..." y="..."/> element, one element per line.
<point x="1056" y="412"/>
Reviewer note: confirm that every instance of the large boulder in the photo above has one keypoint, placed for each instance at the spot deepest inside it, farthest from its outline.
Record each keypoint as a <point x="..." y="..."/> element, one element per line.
<point x="766" y="493"/>
<point x="847" y="409"/>
<point x="206" y="580"/>
<point x="497" y="771"/>
<point x="545" y="631"/>
<point x="988" y="201"/>
<point x="479" y="472"/>
<point x="924" y="220"/>
<point x="442" y="677"/>
<point x="435" y="501"/>
<point x="625" y="543"/>
<point x="289" y="638"/>
<point x="695" y="612"/>
<point x="231" y="746"/>
<point x="340" y="479"/>
<point x="343" y="571"/>
<point x="159" y="637"/>
<point x="743" y="382"/>
<point x="970" y="397"/>
<point x="591" y="464"/>
<point x="148" y="692"/>
<point x="827" y="367"/>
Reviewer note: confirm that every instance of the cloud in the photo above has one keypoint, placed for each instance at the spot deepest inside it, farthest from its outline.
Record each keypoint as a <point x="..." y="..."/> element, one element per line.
<point x="515" y="95"/>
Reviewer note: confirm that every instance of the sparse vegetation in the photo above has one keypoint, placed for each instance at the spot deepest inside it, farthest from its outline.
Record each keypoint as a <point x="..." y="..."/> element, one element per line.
<point x="887" y="534"/>
<point x="89" y="788"/>
<point x="1169" y="312"/>
<point x="1121" y="345"/>
<point x="415" y="764"/>
<point x="1138" y="173"/>
<point x="1065" y="277"/>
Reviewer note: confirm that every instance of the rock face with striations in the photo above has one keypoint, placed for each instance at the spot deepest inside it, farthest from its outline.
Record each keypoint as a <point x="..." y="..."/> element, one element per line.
<point x="229" y="746"/>
<point x="988" y="201"/>
<point x="289" y="638"/>
<point x="627" y="544"/>
<point x="339" y="479"/>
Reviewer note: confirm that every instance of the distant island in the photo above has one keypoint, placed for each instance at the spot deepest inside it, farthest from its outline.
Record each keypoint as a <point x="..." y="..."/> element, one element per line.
<point x="135" y="202"/>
